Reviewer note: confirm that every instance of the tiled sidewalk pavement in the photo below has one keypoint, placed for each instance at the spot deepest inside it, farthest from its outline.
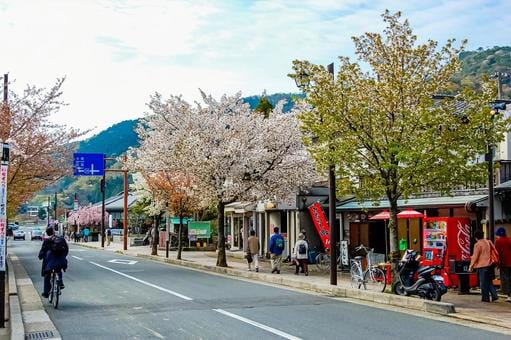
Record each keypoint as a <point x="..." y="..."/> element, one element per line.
<point x="468" y="307"/>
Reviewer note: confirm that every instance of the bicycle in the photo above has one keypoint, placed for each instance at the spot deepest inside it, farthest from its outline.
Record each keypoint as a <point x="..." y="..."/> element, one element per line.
<point x="55" y="292"/>
<point x="372" y="278"/>
<point x="323" y="261"/>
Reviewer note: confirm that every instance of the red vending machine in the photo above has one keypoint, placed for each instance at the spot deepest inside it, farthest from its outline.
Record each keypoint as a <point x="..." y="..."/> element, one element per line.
<point x="447" y="239"/>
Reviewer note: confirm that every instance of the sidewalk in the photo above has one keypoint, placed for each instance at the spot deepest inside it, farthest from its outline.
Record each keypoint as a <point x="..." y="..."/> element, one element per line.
<point x="468" y="307"/>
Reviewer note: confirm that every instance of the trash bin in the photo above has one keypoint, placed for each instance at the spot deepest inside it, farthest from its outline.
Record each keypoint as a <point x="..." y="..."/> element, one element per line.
<point x="461" y="270"/>
<point x="312" y="256"/>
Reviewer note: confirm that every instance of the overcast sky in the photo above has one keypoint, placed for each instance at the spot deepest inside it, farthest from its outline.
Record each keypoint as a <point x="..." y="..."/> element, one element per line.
<point x="114" y="54"/>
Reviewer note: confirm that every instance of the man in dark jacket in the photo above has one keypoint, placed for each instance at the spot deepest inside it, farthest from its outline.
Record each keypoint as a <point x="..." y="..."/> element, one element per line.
<point x="277" y="245"/>
<point x="52" y="261"/>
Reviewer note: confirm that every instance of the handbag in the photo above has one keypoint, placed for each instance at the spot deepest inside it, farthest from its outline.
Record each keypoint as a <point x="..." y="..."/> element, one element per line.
<point x="494" y="255"/>
<point x="249" y="257"/>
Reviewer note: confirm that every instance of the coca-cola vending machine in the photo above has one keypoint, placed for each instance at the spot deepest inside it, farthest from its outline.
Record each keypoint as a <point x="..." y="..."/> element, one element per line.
<point x="446" y="243"/>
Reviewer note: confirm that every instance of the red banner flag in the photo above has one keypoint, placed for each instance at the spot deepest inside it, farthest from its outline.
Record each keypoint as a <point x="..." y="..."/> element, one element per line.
<point x="319" y="219"/>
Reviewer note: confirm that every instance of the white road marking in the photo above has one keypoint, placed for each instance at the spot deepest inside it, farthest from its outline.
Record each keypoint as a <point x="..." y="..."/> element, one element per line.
<point x="75" y="249"/>
<point x="123" y="261"/>
<point x="144" y="282"/>
<point x="259" y="325"/>
<point x="156" y="334"/>
<point x="76" y="257"/>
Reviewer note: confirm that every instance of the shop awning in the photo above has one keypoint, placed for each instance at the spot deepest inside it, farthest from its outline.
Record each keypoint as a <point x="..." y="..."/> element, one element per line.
<point x="416" y="203"/>
<point x="240" y="207"/>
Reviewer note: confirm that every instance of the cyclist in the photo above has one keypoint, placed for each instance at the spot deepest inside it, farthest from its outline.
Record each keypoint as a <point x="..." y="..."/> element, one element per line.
<point x="53" y="252"/>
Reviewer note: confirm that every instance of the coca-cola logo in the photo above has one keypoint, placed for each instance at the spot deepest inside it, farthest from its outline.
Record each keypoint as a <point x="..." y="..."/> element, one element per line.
<point x="464" y="240"/>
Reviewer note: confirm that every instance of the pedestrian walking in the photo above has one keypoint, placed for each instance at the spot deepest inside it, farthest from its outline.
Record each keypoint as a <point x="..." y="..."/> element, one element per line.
<point x="276" y="250"/>
<point x="484" y="259"/>
<point x="108" y="236"/>
<point x="307" y="241"/>
<point x="86" y="233"/>
<point x="301" y="255"/>
<point x="503" y="246"/>
<point x="253" y="250"/>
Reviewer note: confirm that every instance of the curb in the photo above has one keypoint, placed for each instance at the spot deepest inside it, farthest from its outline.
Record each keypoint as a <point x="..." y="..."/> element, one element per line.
<point x="30" y="318"/>
<point x="441" y="308"/>
<point x="17" y="328"/>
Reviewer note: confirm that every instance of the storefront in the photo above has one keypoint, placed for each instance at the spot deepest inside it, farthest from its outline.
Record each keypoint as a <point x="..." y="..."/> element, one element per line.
<point x="359" y="228"/>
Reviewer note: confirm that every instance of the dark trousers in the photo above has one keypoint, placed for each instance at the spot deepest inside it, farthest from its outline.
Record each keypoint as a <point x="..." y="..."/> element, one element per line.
<point x="302" y="264"/>
<point x="47" y="281"/>
<point x="486" y="275"/>
<point x="505" y="276"/>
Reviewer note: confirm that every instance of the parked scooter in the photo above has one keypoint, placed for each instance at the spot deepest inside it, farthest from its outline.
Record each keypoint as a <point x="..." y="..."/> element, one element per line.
<point x="416" y="280"/>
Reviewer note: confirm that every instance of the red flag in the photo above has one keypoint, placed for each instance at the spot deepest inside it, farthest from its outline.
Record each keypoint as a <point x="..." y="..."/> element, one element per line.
<point x="319" y="219"/>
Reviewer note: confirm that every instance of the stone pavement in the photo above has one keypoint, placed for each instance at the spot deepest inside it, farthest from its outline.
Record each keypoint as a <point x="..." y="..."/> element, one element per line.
<point x="468" y="307"/>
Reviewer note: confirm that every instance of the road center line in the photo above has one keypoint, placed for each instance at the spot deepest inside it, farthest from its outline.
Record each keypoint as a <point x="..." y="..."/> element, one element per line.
<point x="76" y="257"/>
<point x="144" y="282"/>
<point x="257" y="324"/>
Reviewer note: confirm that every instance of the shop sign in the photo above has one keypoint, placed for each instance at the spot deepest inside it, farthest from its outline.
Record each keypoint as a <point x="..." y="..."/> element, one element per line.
<point x="199" y="229"/>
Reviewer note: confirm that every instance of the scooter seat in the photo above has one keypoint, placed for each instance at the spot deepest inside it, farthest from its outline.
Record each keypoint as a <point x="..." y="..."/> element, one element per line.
<point x="426" y="269"/>
<point x="358" y="258"/>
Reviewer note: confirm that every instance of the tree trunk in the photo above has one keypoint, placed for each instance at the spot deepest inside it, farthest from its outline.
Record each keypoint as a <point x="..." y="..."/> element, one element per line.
<point x="179" y="238"/>
<point x="155" y="235"/>
<point x="221" y="260"/>
<point x="395" y="254"/>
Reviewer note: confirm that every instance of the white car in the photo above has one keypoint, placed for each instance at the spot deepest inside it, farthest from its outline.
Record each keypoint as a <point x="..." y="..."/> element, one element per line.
<point x="19" y="234"/>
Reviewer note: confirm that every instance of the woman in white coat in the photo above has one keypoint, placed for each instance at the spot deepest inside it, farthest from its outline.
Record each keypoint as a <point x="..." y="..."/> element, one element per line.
<point x="301" y="255"/>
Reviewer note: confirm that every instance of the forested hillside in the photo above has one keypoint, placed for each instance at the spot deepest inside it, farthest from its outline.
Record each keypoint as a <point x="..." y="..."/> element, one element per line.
<point x="479" y="63"/>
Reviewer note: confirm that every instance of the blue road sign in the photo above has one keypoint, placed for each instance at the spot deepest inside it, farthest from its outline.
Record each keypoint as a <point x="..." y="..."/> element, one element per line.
<point x="89" y="164"/>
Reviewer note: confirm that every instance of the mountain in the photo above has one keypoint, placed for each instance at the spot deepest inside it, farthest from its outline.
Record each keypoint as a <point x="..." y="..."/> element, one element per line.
<point x="113" y="141"/>
<point x="274" y="99"/>
<point x="479" y="63"/>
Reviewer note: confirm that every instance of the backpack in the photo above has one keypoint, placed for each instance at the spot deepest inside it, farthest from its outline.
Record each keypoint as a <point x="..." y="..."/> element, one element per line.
<point x="302" y="249"/>
<point x="59" y="246"/>
<point x="279" y="243"/>
<point x="108" y="232"/>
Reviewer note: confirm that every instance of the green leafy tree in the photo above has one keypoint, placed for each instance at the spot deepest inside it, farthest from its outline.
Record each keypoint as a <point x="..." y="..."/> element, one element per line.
<point x="41" y="213"/>
<point x="381" y="127"/>
<point x="264" y="106"/>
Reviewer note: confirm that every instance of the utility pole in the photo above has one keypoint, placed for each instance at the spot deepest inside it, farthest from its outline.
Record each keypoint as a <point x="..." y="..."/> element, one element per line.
<point x="103" y="185"/>
<point x="48" y="213"/>
<point x="4" y="166"/>
<point x="331" y="209"/>
<point x="125" y="202"/>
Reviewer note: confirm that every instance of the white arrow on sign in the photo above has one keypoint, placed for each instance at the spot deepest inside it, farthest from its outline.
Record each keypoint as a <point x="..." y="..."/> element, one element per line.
<point x="123" y="261"/>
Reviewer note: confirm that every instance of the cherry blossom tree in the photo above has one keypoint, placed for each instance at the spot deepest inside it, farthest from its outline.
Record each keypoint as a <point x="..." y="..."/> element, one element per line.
<point x="231" y="153"/>
<point x="41" y="151"/>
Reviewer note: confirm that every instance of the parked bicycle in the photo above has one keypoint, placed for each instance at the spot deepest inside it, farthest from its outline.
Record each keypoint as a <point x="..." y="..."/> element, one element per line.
<point x="372" y="278"/>
<point x="55" y="292"/>
<point x="323" y="261"/>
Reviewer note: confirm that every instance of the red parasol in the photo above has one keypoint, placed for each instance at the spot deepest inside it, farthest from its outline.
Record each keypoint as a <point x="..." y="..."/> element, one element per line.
<point x="384" y="215"/>
<point x="410" y="213"/>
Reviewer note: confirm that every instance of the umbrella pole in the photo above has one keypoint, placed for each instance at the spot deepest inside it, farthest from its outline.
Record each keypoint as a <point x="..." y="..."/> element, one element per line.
<point x="386" y="243"/>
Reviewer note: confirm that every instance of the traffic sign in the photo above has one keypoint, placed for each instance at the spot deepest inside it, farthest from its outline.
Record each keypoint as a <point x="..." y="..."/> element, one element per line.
<point x="89" y="164"/>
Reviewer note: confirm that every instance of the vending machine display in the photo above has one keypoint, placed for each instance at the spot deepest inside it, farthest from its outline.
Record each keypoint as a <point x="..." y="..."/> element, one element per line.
<point x="446" y="242"/>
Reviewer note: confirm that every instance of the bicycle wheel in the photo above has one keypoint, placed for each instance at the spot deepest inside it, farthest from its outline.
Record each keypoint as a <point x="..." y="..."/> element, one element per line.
<point x="56" y="293"/>
<point x="356" y="278"/>
<point x="52" y="285"/>
<point x="323" y="262"/>
<point x="374" y="280"/>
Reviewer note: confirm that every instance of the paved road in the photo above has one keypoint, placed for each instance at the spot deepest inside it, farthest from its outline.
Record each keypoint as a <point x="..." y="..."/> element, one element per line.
<point x="110" y="296"/>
